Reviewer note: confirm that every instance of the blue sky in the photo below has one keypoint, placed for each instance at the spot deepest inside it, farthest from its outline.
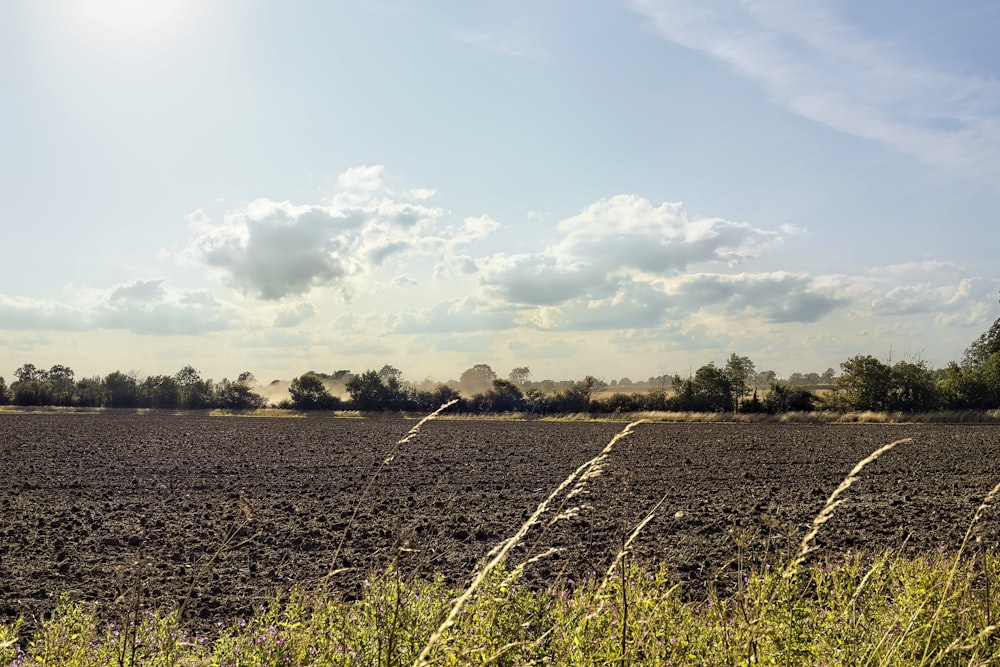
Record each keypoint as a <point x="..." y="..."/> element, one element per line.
<point x="606" y="188"/>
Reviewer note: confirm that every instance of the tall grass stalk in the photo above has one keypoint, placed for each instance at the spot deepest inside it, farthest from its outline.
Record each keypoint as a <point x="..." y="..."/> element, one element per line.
<point x="412" y="433"/>
<point x="578" y="478"/>
<point x="833" y="502"/>
<point x="983" y="506"/>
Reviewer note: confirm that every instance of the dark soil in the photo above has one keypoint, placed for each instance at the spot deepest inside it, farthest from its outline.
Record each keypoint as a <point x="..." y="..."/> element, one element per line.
<point x="92" y="504"/>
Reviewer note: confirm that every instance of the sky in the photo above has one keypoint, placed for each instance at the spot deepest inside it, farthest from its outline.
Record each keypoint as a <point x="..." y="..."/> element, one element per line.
<point x="614" y="188"/>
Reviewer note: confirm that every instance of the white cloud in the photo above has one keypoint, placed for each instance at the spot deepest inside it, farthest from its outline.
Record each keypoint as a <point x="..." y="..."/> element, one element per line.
<point x="615" y="243"/>
<point x="273" y="250"/>
<point x="459" y="316"/>
<point x="626" y="264"/>
<point x="148" y="308"/>
<point x="829" y="71"/>
<point x="505" y="45"/>
<point x="293" y="315"/>
<point x="144" y="307"/>
<point x="24" y="314"/>
<point x="773" y="297"/>
<point x="139" y="291"/>
<point x="361" y="179"/>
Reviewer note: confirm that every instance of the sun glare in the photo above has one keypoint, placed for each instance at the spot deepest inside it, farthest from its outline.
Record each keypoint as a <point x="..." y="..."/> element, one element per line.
<point x="140" y="23"/>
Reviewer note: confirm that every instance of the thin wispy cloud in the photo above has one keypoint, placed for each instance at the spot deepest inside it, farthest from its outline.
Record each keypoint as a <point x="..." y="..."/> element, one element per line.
<point x="830" y="71"/>
<point x="501" y="44"/>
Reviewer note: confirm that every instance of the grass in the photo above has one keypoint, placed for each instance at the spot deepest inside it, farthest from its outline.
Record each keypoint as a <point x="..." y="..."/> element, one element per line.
<point x="856" y="609"/>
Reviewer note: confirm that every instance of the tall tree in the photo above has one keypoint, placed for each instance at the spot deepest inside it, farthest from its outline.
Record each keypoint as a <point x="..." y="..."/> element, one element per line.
<point x="742" y="373"/>
<point x="122" y="390"/>
<point x="238" y="395"/>
<point x="196" y="393"/>
<point x="60" y="384"/>
<point x="309" y="393"/>
<point x="477" y="380"/>
<point x="867" y="382"/>
<point x="520" y="376"/>
<point x="30" y="388"/>
<point x="984" y="346"/>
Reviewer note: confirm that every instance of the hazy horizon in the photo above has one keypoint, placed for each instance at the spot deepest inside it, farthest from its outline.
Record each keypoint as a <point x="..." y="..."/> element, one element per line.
<point x="619" y="189"/>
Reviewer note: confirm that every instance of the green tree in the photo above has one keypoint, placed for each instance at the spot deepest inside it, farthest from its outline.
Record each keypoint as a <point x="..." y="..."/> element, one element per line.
<point x="913" y="388"/>
<point x="742" y="374"/>
<point x="309" y="393"/>
<point x="90" y="392"/>
<point x="867" y="383"/>
<point x="196" y="393"/>
<point x="710" y="390"/>
<point x="162" y="392"/>
<point x="239" y="395"/>
<point x="122" y="390"/>
<point x="984" y="346"/>
<point x="975" y="387"/>
<point x="377" y="390"/>
<point x="783" y="397"/>
<point x="4" y="392"/>
<point x="477" y="380"/>
<point x="61" y="385"/>
<point x="505" y="396"/>
<point x="520" y="376"/>
<point x="30" y="388"/>
<point x="428" y="400"/>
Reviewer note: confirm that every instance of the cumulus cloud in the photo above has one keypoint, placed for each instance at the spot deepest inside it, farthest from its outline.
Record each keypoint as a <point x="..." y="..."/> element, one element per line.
<point x="629" y="231"/>
<point x="775" y="297"/>
<point x="826" y="69"/>
<point x="458" y="316"/>
<point x="617" y="241"/>
<point x="293" y="315"/>
<point x="625" y="263"/>
<point x="145" y="307"/>
<point x="139" y="291"/>
<point x="274" y="250"/>
<point x="24" y="314"/>
<point x="149" y="308"/>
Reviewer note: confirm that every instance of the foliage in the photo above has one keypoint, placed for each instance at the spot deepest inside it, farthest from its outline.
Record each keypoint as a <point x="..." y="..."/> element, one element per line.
<point x="520" y="376"/>
<point x="976" y="387"/>
<point x="870" y="384"/>
<point x="238" y="395"/>
<point x="427" y="400"/>
<point x="574" y="398"/>
<point x="855" y="610"/>
<point x="984" y="347"/>
<point x="505" y="396"/>
<point x="122" y="390"/>
<point x="477" y="380"/>
<point x="866" y="381"/>
<point x="30" y="387"/>
<point x="309" y="393"/>
<point x="91" y="393"/>
<point x="161" y="391"/>
<point x="742" y="374"/>
<point x="865" y="384"/>
<point x="710" y="390"/>
<point x="377" y="390"/>
<point x="196" y="393"/>
<point x="785" y="397"/>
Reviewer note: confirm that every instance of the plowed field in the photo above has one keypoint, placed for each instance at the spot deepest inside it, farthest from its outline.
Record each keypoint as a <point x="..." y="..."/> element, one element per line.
<point x="92" y="503"/>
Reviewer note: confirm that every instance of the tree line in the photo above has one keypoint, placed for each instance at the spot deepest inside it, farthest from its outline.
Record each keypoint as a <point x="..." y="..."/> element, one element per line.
<point x="865" y="383"/>
<point x="185" y="389"/>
